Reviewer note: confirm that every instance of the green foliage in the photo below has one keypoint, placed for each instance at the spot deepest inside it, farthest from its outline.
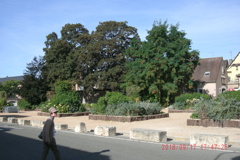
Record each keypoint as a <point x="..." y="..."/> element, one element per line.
<point x="180" y="105"/>
<point x="62" y="86"/>
<point x="218" y="110"/>
<point x="59" y="59"/>
<point x="9" y="104"/>
<point x="11" y="88"/>
<point x="3" y="95"/>
<point x="101" y="61"/>
<point x="133" y="109"/>
<point x="190" y="96"/>
<point x="115" y="103"/>
<point x="23" y="104"/>
<point x="67" y="102"/>
<point x="161" y="66"/>
<point x="44" y="106"/>
<point x="87" y="106"/>
<point x="133" y="92"/>
<point x="34" y="86"/>
<point x="194" y="116"/>
<point x="2" y="103"/>
<point x="230" y="95"/>
<point x="188" y="100"/>
<point x="111" y="98"/>
<point x="65" y="99"/>
<point x="3" y="99"/>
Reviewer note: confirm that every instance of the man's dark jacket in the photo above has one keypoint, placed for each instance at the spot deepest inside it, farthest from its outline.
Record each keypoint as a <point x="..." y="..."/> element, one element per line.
<point x="48" y="130"/>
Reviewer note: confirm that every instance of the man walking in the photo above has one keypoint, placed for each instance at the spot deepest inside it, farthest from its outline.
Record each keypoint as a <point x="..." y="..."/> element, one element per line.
<point x="49" y="141"/>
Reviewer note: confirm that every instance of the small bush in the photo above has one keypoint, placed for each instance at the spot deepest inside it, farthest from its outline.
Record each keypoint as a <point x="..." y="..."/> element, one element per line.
<point x="65" y="100"/>
<point x="3" y="99"/>
<point x="190" y="96"/>
<point x="133" y="109"/>
<point x="187" y="100"/>
<point x="111" y="98"/>
<point x="180" y="105"/>
<point x="151" y="108"/>
<point x="44" y="106"/>
<point x="230" y="95"/>
<point x="218" y="110"/>
<point x="23" y="104"/>
<point x="194" y="116"/>
<point x="10" y="104"/>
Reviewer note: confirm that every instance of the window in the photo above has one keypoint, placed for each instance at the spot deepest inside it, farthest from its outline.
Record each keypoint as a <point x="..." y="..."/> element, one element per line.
<point x="223" y="80"/>
<point x="200" y="90"/>
<point x="223" y="71"/>
<point x="207" y="74"/>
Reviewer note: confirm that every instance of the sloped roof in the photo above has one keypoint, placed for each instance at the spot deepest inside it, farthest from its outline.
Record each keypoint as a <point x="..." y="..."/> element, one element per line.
<point x="233" y="61"/>
<point x="212" y="65"/>
<point x="16" y="78"/>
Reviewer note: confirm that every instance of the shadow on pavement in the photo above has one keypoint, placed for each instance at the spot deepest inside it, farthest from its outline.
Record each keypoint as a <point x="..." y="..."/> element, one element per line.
<point x="14" y="147"/>
<point x="221" y="156"/>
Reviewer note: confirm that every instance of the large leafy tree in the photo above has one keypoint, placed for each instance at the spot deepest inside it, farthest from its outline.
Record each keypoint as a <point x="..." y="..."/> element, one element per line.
<point x="34" y="86"/>
<point x="162" y="65"/>
<point x="60" y="52"/>
<point x="11" y="88"/>
<point x="101" y="61"/>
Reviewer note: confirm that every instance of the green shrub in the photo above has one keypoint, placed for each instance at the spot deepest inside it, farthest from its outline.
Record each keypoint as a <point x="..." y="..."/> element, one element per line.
<point x="187" y="100"/>
<point x="151" y="108"/>
<point x="230" y="95"/>
<point x="10" y="104"/>
<point x="2" y="103"/>
<point x="62" y="86"/>
<point x="67" y="102"/>
<point x="191" y="96"/>
<point x="44" y="106"/>
<point x="65" y="99"/>
<point x="133" y="92"/>
<point x="3" y="99"/>
<point x="133" y="109"/>
<point x="23" y="104"/>
<point x="111" y="98"/>
<point x="180" y="105"/>
<point x="87" y="106"/>
<point x="195" y="116"/>
<point x="218" y="110"/>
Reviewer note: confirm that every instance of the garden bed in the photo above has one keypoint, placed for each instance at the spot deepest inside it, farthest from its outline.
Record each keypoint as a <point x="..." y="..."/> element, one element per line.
<point x="180" y="111"/>
<point x="212" y="123"/>
<point x="127" y="118"/>
<point x="65" y="114"/>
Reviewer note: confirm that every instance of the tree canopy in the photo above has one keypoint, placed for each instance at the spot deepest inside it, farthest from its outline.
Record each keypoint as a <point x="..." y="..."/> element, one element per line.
<point x="60" y="52"/>
<point x="113" y="56"/>
<point x="162" y="65"/>
<point x="101" y="63"/>
<point x="34" y="85"/>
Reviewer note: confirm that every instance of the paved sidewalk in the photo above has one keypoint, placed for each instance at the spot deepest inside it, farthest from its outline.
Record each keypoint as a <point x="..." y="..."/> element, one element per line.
<point x="175" y="125"/>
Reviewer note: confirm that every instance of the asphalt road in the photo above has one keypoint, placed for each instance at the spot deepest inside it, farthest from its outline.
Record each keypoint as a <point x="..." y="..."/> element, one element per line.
<point x="21" y="143"/>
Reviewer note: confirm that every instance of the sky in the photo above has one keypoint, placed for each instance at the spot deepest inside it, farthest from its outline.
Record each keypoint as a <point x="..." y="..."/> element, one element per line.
<point x="212" y="25"/>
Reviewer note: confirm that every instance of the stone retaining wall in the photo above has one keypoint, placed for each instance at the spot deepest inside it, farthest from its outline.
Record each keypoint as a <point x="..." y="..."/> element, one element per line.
<point x="212" y="123"/>
<point x="65" y="114"/>
<point x="180" y="111"/>
<point x="126" y="118"/>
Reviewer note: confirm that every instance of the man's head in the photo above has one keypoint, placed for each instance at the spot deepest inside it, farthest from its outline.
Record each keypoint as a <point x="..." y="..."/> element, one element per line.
<point x="53" y="111"/>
